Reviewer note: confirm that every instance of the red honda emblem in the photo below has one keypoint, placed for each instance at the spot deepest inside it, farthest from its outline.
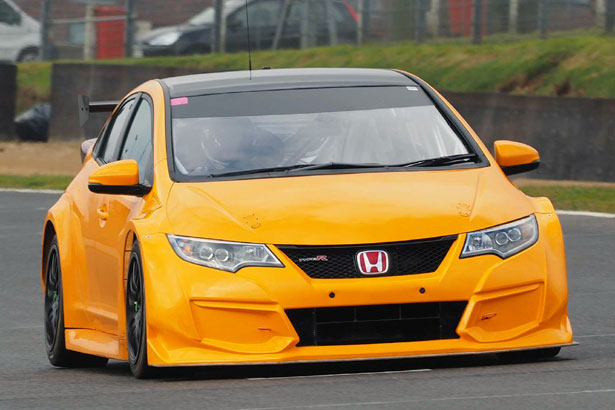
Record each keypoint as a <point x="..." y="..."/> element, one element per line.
<point x="373" y="262"/>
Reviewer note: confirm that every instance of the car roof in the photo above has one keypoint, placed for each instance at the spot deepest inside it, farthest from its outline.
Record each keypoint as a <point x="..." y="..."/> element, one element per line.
<point x="282" y="79"/>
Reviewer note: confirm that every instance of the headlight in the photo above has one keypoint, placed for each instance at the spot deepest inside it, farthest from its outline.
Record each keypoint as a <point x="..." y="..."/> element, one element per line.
<point x="165" y="39"/>
<point x="504" y="240"/>
<point x="228" y="256"/>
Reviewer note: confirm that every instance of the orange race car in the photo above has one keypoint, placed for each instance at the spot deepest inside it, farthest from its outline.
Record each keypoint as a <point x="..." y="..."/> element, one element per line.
<point x="297" y="215"/>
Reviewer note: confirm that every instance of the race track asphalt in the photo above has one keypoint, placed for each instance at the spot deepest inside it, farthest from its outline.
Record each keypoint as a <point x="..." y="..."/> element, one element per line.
<point x="581" y="377"/>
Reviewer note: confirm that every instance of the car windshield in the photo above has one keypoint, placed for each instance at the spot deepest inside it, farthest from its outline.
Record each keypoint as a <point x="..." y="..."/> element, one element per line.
<point x="376" y="126"/>
<point x="207" y="15"/>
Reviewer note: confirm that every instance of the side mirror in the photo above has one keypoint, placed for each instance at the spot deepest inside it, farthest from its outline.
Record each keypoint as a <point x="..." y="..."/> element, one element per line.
<point x="118" y="178"/>
<point x="515" y="157"/>
<point x="85" y="147"/>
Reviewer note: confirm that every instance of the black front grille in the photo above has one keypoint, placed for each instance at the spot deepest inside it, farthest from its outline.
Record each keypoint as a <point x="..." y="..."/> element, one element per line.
<point x="350" y="325"/>
<point x="340" y="262"/>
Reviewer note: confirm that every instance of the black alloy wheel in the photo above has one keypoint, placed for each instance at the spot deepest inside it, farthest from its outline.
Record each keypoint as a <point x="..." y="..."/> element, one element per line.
<point x="52" y="298"/>
<point x="136" y="335"/>
<point x="55" y="343"/>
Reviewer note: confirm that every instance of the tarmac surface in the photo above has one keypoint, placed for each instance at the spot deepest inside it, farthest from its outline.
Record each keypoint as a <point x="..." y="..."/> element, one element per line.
<point x="580" y="377"/>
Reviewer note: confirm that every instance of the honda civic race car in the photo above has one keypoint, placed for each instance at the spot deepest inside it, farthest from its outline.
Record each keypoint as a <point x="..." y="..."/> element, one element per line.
<point x="297" y="215"/>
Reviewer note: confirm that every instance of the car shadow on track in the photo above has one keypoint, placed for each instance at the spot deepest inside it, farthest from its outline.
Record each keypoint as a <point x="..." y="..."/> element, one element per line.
<point x="179" y="374"/>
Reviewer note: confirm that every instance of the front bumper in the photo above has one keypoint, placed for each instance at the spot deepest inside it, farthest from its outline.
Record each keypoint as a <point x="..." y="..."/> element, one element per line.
<point x="201" y="316"/>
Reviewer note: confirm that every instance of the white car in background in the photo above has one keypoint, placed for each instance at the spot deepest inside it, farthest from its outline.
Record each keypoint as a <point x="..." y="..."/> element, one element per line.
<point x="19" y="34"/>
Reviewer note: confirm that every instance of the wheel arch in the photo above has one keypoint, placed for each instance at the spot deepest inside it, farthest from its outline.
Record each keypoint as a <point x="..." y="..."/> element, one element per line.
<point x="56" y="223"/>
<point x="48" y="233"/>
<point x="24" y="50"/>
<point x="129" y="239"/>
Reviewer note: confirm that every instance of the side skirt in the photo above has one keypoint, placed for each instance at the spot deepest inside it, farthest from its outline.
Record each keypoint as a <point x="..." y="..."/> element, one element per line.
<point x="96" y="343"/>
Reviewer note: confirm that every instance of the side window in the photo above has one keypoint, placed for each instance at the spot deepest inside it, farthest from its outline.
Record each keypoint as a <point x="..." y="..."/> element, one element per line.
<point x="315" y="10"/>
<point x="262" y="14"/>
<point x="8" y="15"/>
<point x="138" y="143"/>
<point x="114" y="131"/>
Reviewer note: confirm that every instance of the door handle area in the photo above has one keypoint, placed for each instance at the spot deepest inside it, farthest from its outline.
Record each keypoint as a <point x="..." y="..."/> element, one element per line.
<point x="102" y="213"/>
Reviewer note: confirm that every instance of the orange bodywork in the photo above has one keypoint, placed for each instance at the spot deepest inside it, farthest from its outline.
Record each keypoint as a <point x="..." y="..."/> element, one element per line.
<point x="198" y="315"/>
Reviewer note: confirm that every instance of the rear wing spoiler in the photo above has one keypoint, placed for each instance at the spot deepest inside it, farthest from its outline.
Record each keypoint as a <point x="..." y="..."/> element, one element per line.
<point x="86" y="107"/>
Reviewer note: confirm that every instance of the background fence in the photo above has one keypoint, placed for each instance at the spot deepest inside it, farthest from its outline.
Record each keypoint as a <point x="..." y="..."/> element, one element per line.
<point x="102" y="29"/>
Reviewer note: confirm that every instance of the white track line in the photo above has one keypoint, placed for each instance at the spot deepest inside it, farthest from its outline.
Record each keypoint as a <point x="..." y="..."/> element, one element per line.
<point x="604" y="335"/>
<point x="437" y="399"/>
<point x="341" y="374"/>
<point x="559" y="212"/>
<point x="586" y="213"/>
<point x="32" y="191"/>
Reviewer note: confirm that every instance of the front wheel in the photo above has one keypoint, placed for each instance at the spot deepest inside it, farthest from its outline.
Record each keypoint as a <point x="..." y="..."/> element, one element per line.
<point x="136" y="331"/>
<point x="55" y="344"/>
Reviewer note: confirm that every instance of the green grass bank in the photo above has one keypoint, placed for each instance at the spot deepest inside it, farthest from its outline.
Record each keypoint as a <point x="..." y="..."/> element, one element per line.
<point x="578" y="65"/>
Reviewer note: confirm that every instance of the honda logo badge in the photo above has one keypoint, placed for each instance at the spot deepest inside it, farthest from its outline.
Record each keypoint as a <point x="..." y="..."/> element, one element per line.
<point x="373" y="262"/>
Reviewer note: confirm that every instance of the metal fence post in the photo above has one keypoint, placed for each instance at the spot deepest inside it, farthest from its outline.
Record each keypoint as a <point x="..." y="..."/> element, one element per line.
<point x="219" y="27"/>
<point x="420" y="14"/>
<point x="477" y="21"/>
<point x="307" y="25"/>
<point x="44" y="52"/>
<point x="89" y="38"/>
<point x="281" y="25"/>
<point x="304" y="26"/>
<point x="360" y="21"/>
<point x="433" y="18"/>
<point x="543" y="18"/>
<point x="610" y="16"/>
<point x="130" y="28"/>
<point x="331" y="23"/>
<point x="513" y="16"/>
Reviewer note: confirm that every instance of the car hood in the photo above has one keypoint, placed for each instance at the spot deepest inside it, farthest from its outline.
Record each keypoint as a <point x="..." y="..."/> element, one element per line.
<point x="346" y="208"/>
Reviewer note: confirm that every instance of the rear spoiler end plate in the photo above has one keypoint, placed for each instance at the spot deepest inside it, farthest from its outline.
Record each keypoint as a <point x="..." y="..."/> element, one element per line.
<point x="86" y="107"/>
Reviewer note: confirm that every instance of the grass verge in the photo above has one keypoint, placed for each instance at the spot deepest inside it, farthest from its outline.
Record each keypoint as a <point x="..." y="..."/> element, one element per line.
<point x="576" y="198"/>
<point x="570" y="197"/>
<point x="575" y="65"/>
<point x="35" y="181"/>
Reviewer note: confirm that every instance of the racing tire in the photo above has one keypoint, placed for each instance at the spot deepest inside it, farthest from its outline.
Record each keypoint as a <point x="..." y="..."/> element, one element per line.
<point x="55" y="342"/>
<point x="136" y="329"/>
<point x="524" y="355"/>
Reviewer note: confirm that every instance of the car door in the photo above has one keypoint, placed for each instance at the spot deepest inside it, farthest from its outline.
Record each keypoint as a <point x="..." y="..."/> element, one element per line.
<point x="96" y="226"/>
<point x="10" y="31"/>
<point x="111" y="245"/>
<point x="264" y="16"/>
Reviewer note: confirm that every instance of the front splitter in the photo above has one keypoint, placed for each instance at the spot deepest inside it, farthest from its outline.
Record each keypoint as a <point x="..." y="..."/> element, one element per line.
<point x="361" y="359"/>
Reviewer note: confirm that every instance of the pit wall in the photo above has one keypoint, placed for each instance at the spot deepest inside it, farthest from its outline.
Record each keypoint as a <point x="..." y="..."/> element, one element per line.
<point x="8" y="93"/>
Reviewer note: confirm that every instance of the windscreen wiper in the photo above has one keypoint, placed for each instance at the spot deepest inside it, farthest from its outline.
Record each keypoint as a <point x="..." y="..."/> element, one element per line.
<point x="259" y="170"/>
<point x="432" y="162"/>
<point x="297" y="167"/>
<point x="339" y="165"/>
<point x="436" y="162"/>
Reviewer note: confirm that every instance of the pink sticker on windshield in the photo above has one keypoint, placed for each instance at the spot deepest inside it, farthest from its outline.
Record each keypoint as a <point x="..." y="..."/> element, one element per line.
<point x="179" y="101"/>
